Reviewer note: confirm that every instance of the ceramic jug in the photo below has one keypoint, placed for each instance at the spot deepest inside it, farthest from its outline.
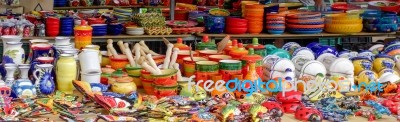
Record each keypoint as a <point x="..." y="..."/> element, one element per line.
<point x="291" y="47"/>
<point x="44" y="81"/>
<point x="23" y="87"/>
<point x="89" y="61"/>
<point x="252" y="57"/>
<point x="9" y="38"/>
<point x="33" y="42"/>
<point x="40" y="50"/>
<point x="66" y="69"/>
<point x="10" y="70"/>
<point x="14" y="53"/>
<point x="83" y="35"/>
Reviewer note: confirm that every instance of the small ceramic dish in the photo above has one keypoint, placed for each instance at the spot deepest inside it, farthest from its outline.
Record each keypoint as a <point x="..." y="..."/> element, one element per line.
<point x="283" y="65"/>
<point x="134" y="29"/>
<point x="313" y="68"/>
<point x="387" y="6"/>
<point x="337" y="66"/>
<point x="304" y="51"/>
<point x="136" y="33"/>
<point x="326" y="59"/>
<point x="219" y="12"/>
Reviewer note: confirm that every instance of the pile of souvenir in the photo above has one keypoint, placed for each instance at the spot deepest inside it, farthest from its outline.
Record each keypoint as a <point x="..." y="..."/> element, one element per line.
<point x="16" y="27"/>
<point x="377" y="21"/>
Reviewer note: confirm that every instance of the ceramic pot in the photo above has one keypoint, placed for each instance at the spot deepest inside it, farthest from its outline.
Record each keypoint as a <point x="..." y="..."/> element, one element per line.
<point x="43" y="79"/>
<point x="52" y="26"/>
<point x="123" y="87"/>
<point x="164" y="91"/>
<point x="258" y="48"/>
<point x="92" y="77"/>
<point x="360" y="64"/>
<point x="189" y="65"/>
<point x="14" y="53"/>
<point x="337" y="67"/>
<point x="23" y="87"/>
<point x="215" y="24"/>
<point x="206" y="53"/>
<point x="283" y="65"/>
<point x="83" y="35"/>
<point x="206" y="69"/>
<point x="291" y="47"/>
<point x="167" y="77"/>
<point x="89" y="61"/>
<point x="133" y="71"/>
<point x="182" y="54"/>
<point x="147" y="86"/>
<point x="147" y="75"/>
<point x="65" y="76"/>
<point x="382" y="62"/>
<point x="40" y="50"/>
<point x="9" y="38"/>
<point x="238" y="53"/>
<point x="217" y="58"/>
<point x="119" y="62"/>
<point x="229" y="68"/>
<point x="105" y="59"/>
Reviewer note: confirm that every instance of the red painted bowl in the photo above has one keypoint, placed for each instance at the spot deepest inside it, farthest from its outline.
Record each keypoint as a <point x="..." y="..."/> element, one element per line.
<point x="344" y="7"/>
<point x="233" y="25"/>
<point x="304" y="26"/>
<point x="388" y="6"/>
<point x="275" y="22"/>
<point x="299" y="21"/>
<point x="303" y="15"/>
<point x="235" y="20"/>
<point x="231" y="30"/>
<point x="275" y="18"/>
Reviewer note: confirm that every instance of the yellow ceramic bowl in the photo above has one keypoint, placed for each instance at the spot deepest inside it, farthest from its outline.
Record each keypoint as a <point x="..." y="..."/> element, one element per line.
<point x="343" y="21"/>
<point x="363" y="77"/>
<point x="133" y="71"/>
<point x="342" y="16"/>
<point x="383" y="71"/>
<point x="379" y="64"/>
<point x="358" y="65"/>
<point x="343" y="28"/>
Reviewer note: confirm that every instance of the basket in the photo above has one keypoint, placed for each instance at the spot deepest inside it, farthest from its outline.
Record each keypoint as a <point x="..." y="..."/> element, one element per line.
<point x="343" y="28"/>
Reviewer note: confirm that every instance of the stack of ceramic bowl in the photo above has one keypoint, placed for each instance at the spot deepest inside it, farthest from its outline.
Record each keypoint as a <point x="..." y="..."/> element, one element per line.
<point x="52" y="26"/>
<point x="275" y="23"/>
<point x="243" y="6"/>
<point x="236" y="25"/>
<point x="67" y="26"/>
<point x="255" y="15"/>
<point x="305" y="23"/>
<point x="343" y="23"/>
<point x="392" y="48"/>
<point x="134" y="31"/>
<point x="375" y="21"/>
<point x="276" y="67"/>
<point x="123" y="14"/>
<point x="99" y="29"/>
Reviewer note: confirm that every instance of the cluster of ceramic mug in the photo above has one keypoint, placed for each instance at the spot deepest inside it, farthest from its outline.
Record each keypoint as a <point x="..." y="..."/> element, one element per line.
<point x="52" y="26"/>
<point x="377" y="21"/>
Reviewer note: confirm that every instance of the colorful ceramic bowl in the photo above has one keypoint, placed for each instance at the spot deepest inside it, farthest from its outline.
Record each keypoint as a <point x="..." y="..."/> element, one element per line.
<point x="304" y="15"/>
<point x="319" y="21"/>
<point x="387" y="6"/>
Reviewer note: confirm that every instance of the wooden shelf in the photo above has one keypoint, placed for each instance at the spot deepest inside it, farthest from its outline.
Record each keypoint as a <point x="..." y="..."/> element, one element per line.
<point x="297" y="36"/>
<point x="120" y="37"/>
<point x="107" y="7"/>
<point x="8" y="6"/>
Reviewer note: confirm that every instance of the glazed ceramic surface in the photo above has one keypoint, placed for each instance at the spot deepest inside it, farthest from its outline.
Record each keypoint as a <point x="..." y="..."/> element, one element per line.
<point x="313" y="68"/>
<point x="337" y="67"/>
<point x="215" y="24"/>
<point x="360" y="64"/>
<point x="304" y="51"/>
<point x="65" y="76"/>
<point x="89" y="61"/>
<point x="14" y="53"/>
<point x="383" y="61"/>
<point x="44" y="81"/>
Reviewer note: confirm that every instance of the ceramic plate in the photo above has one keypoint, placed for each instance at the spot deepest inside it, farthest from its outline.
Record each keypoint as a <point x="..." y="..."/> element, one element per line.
<point x="326" y="59"/>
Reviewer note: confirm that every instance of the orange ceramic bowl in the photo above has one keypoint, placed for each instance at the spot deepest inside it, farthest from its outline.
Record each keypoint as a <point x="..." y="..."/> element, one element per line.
<point x="255" y="23"/>
<point x="254" y="15"/>
<point x="394" y="52"/>
<point x="254" y="30"/>
<point x="255" y="26"/>
<point x="254" y="6"/>
<point x="217" y="58"/>
<point x="148" y="86"/>
<point x="119" y="62"/>
<point x="275" y="18"/>
<point x="304" y="26"/>
<point x="254" y="11"/>
<point x="146" y="75"/>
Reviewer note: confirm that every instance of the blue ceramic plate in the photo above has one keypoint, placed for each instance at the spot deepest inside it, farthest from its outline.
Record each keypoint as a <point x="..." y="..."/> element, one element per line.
<point x="98" y="87"/>
<point x="276" y="31"/>
<point x="305" y="32"/>
<point x="112" y="94"/>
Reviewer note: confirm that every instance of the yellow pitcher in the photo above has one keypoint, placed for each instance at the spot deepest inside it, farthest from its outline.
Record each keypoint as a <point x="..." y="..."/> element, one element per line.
<point x="66" y="72"/>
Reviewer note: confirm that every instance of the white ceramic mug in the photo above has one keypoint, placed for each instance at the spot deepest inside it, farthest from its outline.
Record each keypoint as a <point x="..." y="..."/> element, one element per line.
<point x="92" y="77"/>
<point x="89" y="61"/>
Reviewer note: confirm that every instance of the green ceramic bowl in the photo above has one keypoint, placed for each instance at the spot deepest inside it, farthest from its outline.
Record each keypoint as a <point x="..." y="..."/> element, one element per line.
<point x="166" y="73"/>
<point x="133" y="71"/>
<point x="207" y="66"/>
<point x="230" y="65"/>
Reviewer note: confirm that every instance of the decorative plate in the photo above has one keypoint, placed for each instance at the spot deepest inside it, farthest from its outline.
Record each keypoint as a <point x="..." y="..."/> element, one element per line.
<point x="179" y="23"/>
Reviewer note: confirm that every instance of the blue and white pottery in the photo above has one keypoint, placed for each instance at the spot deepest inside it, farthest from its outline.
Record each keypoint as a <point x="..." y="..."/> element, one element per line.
<point x="344" y="54"/>
<point x="312" y="68"/>
<point x="326" y="59"/>
<point x="304" y="51"/>
<point x="98" y="87"/>
<point x="115" y="28"/>
<point x="215" y="24"/>
<point x="276" y="32"/>
<point x="283" y="65"/>
<point x="367" y="53"/>
<point x="382" y="20"/>
<point x="290" y="45"/>
<point x="44" y="80"/>
<point x="381" y="27"/>
<point x="23" y="87"/>
<point x="14" y="53"/>
<point x="326" y="49"/>
<point x="112" y="94"/>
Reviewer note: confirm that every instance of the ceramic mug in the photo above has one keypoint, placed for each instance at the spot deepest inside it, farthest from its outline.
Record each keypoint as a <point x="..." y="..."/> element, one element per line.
<point x="89" y="61"/>
<point x="189" y="65"/>
<point x="92" y="77"/>
<point x="229" y="68"/>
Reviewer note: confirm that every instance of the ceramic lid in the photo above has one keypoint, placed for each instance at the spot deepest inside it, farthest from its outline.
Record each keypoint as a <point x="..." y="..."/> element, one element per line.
<point x="119" y="73"/>
<point x="107" y="69"/>
<point x="179" y="44"/>
<point x="206" y="43"/>
<point x="251" y="56"/>
<point x="255" y="45"/>
<point x="239" y="50"/>
<point x="83" y="26"/>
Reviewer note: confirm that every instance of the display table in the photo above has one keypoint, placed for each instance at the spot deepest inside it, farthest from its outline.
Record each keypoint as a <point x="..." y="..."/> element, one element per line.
<point x="285" y="118"/>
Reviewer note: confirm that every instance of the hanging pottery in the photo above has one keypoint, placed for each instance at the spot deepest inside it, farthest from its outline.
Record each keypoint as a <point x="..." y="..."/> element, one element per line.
<point x="43" y="79"/>
<point x="14" y="53"/>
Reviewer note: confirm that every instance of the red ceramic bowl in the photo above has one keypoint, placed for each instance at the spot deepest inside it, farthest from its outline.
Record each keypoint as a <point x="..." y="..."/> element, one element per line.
<point x="235" y="20"/>
<point x="304" y="26"/>
<point x="275" y="22"/>
<point x="344" y="7"/>
<point x="230" y="30"/>
<point x="393" y="8"/>
<point x="295" y="21"/>
<point x="52" y="33"/>
<point x="275" y="27"/>
<point x="301" y="15"/>
<point x="233" y="25"/>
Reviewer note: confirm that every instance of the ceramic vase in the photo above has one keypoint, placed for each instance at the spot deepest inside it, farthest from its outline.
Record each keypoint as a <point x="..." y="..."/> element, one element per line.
<point x="23" y="87"/>
<point x="66" y="69"/>
<point x="40" y="50"/>
<point x="9" y="38"/>
<point x="14" y="53"/>
<point x="43" y="79"/>
<point x="32" y="42"/>
<point x="10" y="70"/>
